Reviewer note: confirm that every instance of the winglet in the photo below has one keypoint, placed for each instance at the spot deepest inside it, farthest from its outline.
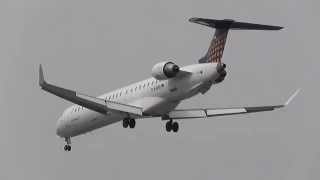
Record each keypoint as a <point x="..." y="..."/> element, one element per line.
<point x="42" y="82"/>
<point x="292" y="97"/>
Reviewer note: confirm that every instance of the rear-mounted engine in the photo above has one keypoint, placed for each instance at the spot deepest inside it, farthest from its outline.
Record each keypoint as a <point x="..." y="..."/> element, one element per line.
<point x="165" y="70"/>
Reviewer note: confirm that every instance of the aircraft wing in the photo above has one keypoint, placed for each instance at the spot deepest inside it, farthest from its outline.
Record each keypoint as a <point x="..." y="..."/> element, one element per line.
<point x="90" y="102"/>
<point x="210" y="112"/>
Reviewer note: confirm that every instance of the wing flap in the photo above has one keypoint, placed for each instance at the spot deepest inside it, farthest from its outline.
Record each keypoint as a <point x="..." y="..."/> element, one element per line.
<point x="112" y="105"/>
<point x="217" y="112"/>
<point x="184" y="114"/>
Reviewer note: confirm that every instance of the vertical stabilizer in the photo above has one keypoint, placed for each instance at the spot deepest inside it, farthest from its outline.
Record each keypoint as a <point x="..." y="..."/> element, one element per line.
<point x="217" y="45"/>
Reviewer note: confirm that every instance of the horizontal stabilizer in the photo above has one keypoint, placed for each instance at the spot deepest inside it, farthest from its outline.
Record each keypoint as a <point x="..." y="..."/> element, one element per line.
<point x="232" y="24"/>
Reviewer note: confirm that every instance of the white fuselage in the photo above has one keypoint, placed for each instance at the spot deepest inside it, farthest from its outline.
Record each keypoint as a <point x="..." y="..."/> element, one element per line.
<point x="156" y="97"/>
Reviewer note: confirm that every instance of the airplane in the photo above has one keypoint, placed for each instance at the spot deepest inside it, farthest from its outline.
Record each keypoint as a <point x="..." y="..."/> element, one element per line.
<point x="159" y="95"/>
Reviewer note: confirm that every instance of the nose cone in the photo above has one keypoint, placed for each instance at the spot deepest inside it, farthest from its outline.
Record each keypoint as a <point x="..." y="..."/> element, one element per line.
<point x="59" y="128"/>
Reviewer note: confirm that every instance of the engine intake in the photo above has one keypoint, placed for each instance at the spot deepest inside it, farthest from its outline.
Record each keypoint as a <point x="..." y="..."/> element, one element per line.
<point x="165" y="70"/>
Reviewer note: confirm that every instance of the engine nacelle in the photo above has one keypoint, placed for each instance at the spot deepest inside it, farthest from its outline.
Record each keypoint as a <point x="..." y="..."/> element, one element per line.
<point x="165" y="70"/>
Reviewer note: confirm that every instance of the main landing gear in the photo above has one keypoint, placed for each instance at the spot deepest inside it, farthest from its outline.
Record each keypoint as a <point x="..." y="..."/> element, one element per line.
<point x="128" y="122"/>
<point x="172" y="126"/>
<point x="67" y="147"/>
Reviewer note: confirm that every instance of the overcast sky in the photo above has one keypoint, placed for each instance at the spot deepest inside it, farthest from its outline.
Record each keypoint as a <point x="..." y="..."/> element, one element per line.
<point x="97" y="46"/>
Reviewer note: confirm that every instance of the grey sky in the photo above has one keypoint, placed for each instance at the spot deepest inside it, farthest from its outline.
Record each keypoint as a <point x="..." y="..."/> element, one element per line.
<point x="97" y="46"/>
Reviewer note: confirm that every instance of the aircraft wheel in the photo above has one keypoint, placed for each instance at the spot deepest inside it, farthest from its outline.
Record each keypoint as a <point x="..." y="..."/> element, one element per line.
<point x="132" y="123"/>
<point x="125" y="123"/>
<point x="169" y="126"/>
<point x="175" y="127"/>
<point x="67" y="147"/>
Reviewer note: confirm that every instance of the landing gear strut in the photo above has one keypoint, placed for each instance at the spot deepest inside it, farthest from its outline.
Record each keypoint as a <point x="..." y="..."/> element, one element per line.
<point x="170" y="125"/>
<point x="129" y="122"/>
<point x="67" y="147"/>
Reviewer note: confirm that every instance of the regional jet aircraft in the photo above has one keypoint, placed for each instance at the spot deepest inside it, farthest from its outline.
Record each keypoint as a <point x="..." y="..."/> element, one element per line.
<point x="157" y="96"/>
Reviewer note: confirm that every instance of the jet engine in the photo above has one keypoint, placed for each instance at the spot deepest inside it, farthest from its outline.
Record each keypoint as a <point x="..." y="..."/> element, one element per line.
<point x="165" y="70"/>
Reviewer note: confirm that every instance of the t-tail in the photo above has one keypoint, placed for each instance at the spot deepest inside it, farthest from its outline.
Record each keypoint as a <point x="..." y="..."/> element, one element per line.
<point x="219" y="40"/>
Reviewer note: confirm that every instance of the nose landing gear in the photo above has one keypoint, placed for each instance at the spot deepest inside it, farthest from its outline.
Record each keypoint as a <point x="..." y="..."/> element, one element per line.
<point x="67" y="147"/>
<point x="172" y="126"/>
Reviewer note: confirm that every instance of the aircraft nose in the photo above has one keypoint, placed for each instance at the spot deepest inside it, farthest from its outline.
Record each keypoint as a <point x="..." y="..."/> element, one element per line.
<point x="59" y="127"/>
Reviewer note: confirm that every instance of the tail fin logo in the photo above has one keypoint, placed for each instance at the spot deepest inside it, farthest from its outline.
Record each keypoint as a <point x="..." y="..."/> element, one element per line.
<point x="215" y="51"/>
<point x="222" y="27"/>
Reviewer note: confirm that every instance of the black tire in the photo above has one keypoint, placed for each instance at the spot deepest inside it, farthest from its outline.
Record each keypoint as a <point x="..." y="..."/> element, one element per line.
<point x="175" y="127"/>
<point x="69" y="148"/>
<point x="125" y="123"/>
<point x="132" y="123"/>
<point x="66" y="148"/>
<point x="169" y="126"/>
